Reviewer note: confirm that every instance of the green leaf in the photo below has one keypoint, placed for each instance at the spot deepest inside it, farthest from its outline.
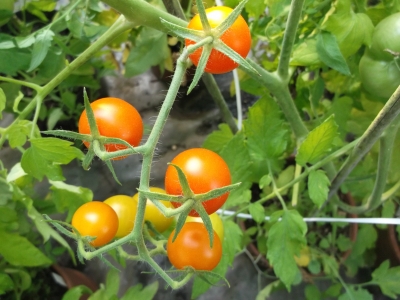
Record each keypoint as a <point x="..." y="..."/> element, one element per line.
<point x="6" y="283"/>
<point x="257" y="212"/>
<point x="317" y="142"/>
<point x="18" y="133"/>
<point x="387" y="279"/>
<point x="255" y="8"/>
<point x="306" y="54"/>
<point x="112" y="283"/>
<point x="285" y="239"/>
<point x="240" y="168"/>
<point x="136" y="292"/>
<point x="351" y="30"/>
<point x="265" y="130"/>
<point x="356" y="294"/>
<point x="40" y="48"/>
<point x="14" y="60"/>
<point x="151" y="49"/>
<point x="18" y="251"/>
<point x="76" y="292"/>
<point x="69" y="197"/>
<point x="341" y="109"/>
<point x="45" y="155"/>
<point x="2" y="102"/>
<point x="277" y="7"/>
<point x="5" y="191"/>
<point x="54" y="116"/>
<point x="312" y="292"/>
<point x="329" y="53"/>
<point x="268" y="290"/>
<point x="318" y="186"/>
<point x="218" y="138"/>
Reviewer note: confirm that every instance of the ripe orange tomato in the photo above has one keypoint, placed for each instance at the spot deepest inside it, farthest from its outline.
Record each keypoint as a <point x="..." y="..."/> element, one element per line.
<point x="152" y="214"/>
<point x="192" y="248"/>
<point x="205" y="170"/>
<point x="125" y="208"/>
<point x="237" y="37"/>
<point x="216" y="222"/>
<point x="96" y="219"/>
<point x="114" y="118"/>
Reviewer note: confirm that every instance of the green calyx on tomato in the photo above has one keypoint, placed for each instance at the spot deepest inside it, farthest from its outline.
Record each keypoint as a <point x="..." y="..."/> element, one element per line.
<point x="237" y="37"/>
<point x="380" y="65"/>
<point x="191" y="248"/>
<point x="216" y="222"/>
<point x="205" y="170"/>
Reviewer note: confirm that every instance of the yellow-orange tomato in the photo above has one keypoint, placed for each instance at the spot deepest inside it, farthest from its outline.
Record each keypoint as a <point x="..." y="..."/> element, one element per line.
<point x="237" y="37"/>
<point x="126" y="209"/>
<point x="152" y="214"/>
<point x="216" y="222"/>
<point x="115" y="118"/>
<point x="96" y="219"/>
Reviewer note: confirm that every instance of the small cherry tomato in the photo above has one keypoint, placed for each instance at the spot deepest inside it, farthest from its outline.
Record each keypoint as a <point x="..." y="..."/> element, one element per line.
<point x="237" y="37"/>
<point x="205" y="170"/>
<point x="125" y="208"/>
<point x="114" y="118"/>
<point x="96" y="219"/>
<point x="216" y="222"/>
<point x="192" y="248"/>
<point x="153" y="215"/>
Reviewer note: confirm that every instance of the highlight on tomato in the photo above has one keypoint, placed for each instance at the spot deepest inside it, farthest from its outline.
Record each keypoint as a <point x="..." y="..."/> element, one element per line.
<point x="205" y="170"/>
<point x="115" y="118"/>
<point x="153" y="215"/>
<point x="191" y="248"/>
<point x="216" y="222"/>
<point x="96" y="219"/>
<point x="125" y="208"/>
<point x="237" y="37"/>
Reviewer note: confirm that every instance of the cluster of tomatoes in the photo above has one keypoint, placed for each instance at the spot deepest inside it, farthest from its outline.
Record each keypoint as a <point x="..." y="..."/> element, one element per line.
<point x="115" y="217"/>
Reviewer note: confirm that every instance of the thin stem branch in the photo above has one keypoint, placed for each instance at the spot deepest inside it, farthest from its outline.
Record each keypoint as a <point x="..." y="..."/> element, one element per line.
<point x="31" y="85"/>
<point x="288" y="39"/>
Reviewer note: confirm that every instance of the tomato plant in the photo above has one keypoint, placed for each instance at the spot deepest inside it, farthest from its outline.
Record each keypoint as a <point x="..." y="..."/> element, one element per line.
<point x="114" y="118"/>
<point x="125" y="208"/>
<point x="237" y="37"/>
<point x="216" y="222"/>
<point x="152" y="214"/>
<point x="96" y="219"/>
<point x="192" y="248"/>
<point x="205" y="170"/>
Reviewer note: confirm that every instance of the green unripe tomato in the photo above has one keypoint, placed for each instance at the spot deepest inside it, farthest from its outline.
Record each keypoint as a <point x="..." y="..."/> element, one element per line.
<point x="6" y="8"/>
<point x="380" y="78"/>
<point x="386" y="35"/>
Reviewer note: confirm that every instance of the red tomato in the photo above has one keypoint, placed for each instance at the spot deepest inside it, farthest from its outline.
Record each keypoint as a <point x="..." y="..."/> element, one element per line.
<point x="114" y="118"/>
<point x="237" y="37"/>
<point x="205" y="170"/>
<point x="96" y="219"/>
<point x="192" y="248"/>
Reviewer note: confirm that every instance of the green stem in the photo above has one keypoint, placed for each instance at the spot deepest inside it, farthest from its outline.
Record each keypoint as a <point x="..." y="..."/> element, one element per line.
<point x="296" y="186"/>
<point x="288" y="39"/>
<point x="388" y="113"/>
<point x="390" y="192"/>
<point x="145" y="14"/>
<point x="275" y="188"/>
<point x="31" y="85"/>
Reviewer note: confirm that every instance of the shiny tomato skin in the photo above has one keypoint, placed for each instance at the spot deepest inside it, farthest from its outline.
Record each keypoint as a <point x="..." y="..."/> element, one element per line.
<point x="205" y="170"/>
<point x="96" y="219"/>
<point x="237" y="37"/>
<point x="192" y="248"/>
<point x="216" y="222"/>
<point x="114" y="118"/>
<point x="153" y="215"/>
<point x="126" y="209"/>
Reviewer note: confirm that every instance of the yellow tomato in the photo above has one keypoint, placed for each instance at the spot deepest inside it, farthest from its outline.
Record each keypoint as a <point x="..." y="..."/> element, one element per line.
<point x="152" y="214"/>
<point x="303" y="260"/>
<point x="216" y="221"/>
<point x="126" y="209"/>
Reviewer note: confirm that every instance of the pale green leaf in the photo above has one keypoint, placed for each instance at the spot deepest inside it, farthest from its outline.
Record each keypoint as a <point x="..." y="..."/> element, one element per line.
<point x="40" y="48"/>
<point x="356" y="294"/>
<point x="329" y="52"/>
<point x="306" y="54"/>
<point x="257" y="212"/>
<point x="138" y="293"/>
<point x="76" y="292"/>
<point x="387" y="279"/>
<point x="317" y="143"/>
<point x="285" y="239"/>
<point x="318" y="187"/>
